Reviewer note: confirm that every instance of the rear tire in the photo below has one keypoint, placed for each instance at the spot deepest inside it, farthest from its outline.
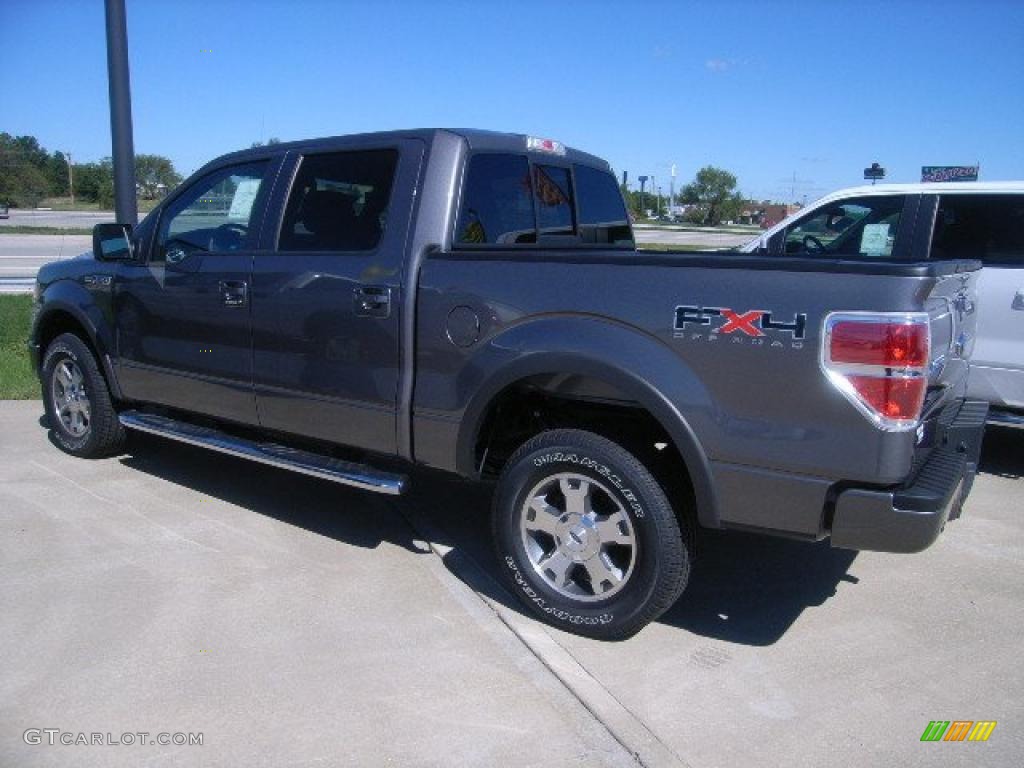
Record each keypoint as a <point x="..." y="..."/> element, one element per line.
<point x="586" y="536"/>
<point x="78" y="404"/>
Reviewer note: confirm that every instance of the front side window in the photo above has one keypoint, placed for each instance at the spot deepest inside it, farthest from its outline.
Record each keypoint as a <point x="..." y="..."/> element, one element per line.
<point x="497" y="202"/>
<point x="863" y="228"/>
<point x="339" y="201"/>
<point x="213" y="215"/>
<point x="986" y="227"/>
<point x="602" y="212"/>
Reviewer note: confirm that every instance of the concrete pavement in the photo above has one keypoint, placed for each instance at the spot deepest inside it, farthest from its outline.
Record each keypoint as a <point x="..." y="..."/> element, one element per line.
<point x="290" y="621"/>
<point x="297" y="622"/>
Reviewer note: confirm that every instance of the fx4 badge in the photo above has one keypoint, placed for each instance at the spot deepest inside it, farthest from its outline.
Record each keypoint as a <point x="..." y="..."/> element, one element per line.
<point x="755" y="326"/>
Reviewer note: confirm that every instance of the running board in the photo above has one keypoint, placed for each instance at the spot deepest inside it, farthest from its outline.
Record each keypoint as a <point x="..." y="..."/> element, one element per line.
<point x="274" y="454"/>
<point x="1006" y="418"/>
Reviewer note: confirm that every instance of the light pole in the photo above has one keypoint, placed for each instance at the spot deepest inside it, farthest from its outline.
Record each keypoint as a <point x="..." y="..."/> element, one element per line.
<point x="672" y="190"/>
<point x="125" y="206"/>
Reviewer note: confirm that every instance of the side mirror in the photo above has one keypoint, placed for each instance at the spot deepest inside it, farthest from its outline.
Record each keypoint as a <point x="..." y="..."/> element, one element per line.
<point x="110" y="242"/>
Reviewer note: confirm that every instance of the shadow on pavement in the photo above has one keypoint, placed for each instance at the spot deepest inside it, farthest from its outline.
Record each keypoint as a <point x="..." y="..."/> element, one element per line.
<point x="1002" y="452"/>
<point x="325" y="508"/>
<point x="745" y="588"/>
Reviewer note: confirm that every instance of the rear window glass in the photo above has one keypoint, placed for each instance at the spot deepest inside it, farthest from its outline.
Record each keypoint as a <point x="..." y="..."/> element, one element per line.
<point x="602" y="212"/>
<point x="986" y="227"/>
<point x="554" y="200"/>
<point x="339" y="201"/>
<point x="497" y="203"/>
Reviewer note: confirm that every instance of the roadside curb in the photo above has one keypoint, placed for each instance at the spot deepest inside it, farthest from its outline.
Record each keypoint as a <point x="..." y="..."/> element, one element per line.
<point x="625" y="727"/>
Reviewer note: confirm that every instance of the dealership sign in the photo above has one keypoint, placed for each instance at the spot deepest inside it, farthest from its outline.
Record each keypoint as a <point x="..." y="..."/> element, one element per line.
<point x="949" y="172"/>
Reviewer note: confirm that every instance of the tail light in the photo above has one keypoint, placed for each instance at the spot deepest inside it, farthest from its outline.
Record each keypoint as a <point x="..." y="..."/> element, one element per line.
<point x="879" y="361"/>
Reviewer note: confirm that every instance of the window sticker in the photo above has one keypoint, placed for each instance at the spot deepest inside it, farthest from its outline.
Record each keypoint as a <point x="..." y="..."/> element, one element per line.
<point x="875" y="240"/>
<point x="245" y="196"/>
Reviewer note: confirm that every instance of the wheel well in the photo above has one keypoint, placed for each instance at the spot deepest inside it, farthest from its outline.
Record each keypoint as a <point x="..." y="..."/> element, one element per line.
<point x="57" y="322"/>
<point x="539" y="403"/>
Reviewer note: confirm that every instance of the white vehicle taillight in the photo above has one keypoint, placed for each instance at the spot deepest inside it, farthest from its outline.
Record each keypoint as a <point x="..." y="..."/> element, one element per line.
<point x="879" y="361"/>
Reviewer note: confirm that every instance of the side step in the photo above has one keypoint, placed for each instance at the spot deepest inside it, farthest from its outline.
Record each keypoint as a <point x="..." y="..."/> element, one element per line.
<point x="1006" y="418"/>
<point x="305" y="462"/>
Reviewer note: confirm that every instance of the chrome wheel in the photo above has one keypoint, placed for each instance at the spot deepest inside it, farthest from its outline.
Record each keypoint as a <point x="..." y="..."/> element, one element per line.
<point x="578" y="537"/>
<point x="70" y="400"/>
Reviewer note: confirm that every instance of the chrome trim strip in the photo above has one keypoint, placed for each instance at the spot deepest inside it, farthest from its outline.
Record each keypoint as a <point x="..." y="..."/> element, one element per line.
<point x="303" y="462"/>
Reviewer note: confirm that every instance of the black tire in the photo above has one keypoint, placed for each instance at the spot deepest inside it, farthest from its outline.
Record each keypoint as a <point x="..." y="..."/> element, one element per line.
<point x="658" y="557"/>
<point x="100" y="434"/>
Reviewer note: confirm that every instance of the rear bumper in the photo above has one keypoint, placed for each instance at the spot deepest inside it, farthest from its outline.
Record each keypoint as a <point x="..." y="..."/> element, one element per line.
<point x="910" y="518"/>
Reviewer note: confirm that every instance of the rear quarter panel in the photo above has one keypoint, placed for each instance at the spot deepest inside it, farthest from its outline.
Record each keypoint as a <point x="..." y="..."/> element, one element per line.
<point x="753" y="404"/>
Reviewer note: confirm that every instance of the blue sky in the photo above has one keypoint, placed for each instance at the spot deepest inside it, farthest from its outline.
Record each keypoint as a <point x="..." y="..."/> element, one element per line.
<point x="815" y="90"/>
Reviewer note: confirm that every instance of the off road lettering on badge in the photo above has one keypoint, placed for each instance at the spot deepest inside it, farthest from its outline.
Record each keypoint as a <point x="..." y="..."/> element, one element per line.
<point x="693" y="322"/>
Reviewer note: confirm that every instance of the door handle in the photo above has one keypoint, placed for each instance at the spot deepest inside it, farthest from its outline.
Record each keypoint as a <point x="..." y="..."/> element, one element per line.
<point x="372" y="301"/>
<point x="1018" y="300"/>
<point x="234" y="292"/>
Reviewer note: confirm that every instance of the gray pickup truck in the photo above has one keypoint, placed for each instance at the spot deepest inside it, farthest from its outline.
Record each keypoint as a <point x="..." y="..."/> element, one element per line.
<point x="474" y="302"/>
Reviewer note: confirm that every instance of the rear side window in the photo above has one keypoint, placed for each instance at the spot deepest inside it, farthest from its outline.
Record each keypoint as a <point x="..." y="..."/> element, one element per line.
<point x="602" y="212"/>
<point x="861" y="228"/>
<point x="986" y="227"/>
<point x="497" y="204"/>
<point x="339" y="201"/>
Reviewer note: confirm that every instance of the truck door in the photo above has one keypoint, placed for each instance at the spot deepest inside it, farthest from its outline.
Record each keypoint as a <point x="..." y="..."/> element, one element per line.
<point x="990" y="228"/>
<point x="183" y="309"/>
<point x="326" y="294"/>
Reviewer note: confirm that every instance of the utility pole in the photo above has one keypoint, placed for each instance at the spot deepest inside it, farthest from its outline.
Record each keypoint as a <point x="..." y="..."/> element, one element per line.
<point x="125" y="206"/>
<point x="71" y="179"/>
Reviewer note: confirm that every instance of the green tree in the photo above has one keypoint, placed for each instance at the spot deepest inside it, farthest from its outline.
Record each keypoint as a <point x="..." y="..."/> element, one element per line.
<point x="713" y="190"/>
<point x="23" y="165"/>
<point x="95" y="182"/>
<point x="155" y="175"/>
<point x="270" y="142"/>
<point x="57" y="174"/>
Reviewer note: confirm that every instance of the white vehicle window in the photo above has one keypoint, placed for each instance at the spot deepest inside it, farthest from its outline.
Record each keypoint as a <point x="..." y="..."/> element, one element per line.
<point x="860" y="228"/>
<point x="986" y="227"/>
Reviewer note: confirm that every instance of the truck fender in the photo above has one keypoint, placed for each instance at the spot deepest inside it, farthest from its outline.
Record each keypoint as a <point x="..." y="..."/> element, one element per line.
<point x="69" y="297"/>
<point x="636" y="363"/>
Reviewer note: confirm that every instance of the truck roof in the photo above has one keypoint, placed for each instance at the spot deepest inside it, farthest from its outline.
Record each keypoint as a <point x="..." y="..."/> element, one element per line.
<point x="477" y="139"/>
<point x="927" y="188"/>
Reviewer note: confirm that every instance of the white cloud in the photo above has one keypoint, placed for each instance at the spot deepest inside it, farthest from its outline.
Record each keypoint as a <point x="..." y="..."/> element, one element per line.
<point x="718" y="65"/>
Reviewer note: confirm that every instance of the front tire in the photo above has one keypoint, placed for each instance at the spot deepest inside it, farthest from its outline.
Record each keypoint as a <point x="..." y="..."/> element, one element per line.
<point x="586" y="536"/>
<point x="77" y="401"/>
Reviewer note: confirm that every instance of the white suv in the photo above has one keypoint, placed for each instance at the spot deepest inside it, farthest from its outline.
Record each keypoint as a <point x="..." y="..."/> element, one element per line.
<point x="973" y="220"/>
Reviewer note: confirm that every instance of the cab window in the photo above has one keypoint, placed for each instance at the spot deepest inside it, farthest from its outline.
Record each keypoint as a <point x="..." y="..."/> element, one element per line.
<point x="497" y="202"/>
<point x="602" y="212"/>
<point x="213" y="215"/>
<point x="339" y="201"/>
<point x="862" y="228"/>
<point x="986" y="227"/>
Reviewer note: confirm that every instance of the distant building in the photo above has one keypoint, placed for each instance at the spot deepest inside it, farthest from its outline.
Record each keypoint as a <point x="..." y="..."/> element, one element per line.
<point x="765" y="214"/>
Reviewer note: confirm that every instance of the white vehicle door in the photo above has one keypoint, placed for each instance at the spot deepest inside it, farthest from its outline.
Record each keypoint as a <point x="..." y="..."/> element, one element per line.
<point x="990" y="228"/>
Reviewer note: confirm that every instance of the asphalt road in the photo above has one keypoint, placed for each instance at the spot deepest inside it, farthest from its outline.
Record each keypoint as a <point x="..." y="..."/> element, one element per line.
<point x="33" y="218"/>
<point x="292" y="621"/>
<point x="702" y="239"/>
<point x="21" y="256"/>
